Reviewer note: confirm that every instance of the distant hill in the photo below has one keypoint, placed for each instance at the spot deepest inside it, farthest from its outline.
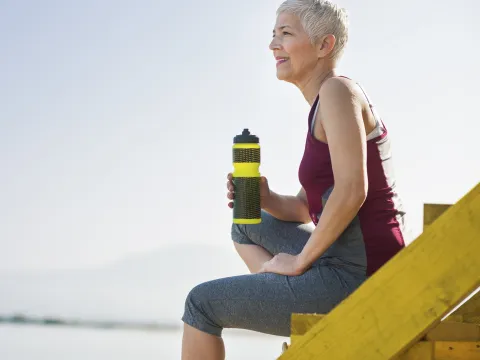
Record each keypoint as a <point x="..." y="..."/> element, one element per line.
<point x="141" y="287"/>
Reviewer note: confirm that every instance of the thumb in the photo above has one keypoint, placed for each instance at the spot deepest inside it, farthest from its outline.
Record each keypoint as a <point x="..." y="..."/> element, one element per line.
<point x="266" y="266"/>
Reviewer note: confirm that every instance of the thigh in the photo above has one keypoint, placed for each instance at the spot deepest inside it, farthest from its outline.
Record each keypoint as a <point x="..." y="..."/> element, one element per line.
<point x="264" y="302"/>
<point x="276" y="236"/>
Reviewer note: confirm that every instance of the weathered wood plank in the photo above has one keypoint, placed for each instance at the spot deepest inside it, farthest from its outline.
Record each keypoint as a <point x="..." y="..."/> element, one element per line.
<point x="409" y="295"/>
<point x="463" y="319"/>
<point x="423" y="350"/>
<point x="451" y="331"/>
<point x="442" y="350"/>
<point x="468" y="312"/>
<point x="448" y="350"/>
<point x="432" y="212"/>
<point x="444" y="331"/>
<point x="301" y="324"/>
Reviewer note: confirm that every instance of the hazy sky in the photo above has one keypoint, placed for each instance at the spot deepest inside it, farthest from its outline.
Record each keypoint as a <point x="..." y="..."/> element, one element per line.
<point x="117" y="117"/>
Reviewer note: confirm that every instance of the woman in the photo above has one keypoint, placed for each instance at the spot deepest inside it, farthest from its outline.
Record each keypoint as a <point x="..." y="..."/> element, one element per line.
<point x="348" y="192"/>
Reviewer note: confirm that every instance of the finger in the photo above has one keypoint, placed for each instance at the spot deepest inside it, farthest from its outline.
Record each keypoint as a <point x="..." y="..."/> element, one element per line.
<point x="230" y="176"/>
<point x="231" y="195"/>
<point x="230" y="205"/>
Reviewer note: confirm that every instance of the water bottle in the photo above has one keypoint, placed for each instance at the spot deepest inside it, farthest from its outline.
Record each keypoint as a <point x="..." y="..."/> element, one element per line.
<point x="246" y="179"/>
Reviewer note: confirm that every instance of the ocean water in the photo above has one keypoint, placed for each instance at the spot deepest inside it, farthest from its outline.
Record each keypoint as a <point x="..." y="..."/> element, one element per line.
<point x="27" y="342"/>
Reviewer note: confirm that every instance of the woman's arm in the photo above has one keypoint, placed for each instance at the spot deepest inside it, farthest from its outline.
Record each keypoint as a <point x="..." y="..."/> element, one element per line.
<point x="341" y="116"/>
<point x="288" y="207"/>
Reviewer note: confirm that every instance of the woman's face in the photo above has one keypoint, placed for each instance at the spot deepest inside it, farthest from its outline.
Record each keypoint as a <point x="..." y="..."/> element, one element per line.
<point x="295" y="55"/>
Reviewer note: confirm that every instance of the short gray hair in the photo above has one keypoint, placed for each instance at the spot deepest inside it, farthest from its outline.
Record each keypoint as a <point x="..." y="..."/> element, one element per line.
<point x="319" y="18"/>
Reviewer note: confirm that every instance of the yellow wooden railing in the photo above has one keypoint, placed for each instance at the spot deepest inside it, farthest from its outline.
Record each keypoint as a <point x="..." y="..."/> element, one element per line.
<point x="409" y="309"/>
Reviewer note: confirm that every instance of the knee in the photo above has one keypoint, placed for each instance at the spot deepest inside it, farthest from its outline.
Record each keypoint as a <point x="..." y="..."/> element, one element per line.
<point x="249" y="233"/>
<point x="197" y="298"/>
<point x="198" y="311"/>
<point x="239" y="234"/>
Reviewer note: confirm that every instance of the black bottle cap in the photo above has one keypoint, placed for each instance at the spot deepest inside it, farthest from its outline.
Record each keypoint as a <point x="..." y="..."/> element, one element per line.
<point x="245" y="138"/>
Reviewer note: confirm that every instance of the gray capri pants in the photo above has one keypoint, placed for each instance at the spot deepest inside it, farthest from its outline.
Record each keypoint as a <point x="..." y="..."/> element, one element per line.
<point x="264" y="302"/>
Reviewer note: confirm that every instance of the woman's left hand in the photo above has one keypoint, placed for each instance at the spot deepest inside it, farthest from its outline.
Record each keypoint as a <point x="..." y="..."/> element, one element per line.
<point x="283" y="264"/>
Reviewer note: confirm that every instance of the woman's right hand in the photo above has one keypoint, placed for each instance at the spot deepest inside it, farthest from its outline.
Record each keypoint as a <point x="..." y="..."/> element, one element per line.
<point x="264" y="190"/>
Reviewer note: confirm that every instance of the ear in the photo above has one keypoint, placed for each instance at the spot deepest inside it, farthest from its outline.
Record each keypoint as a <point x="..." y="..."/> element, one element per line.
<point x="325" y="45"/>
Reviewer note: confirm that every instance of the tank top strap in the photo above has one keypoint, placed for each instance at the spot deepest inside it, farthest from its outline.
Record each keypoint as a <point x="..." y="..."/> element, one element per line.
<point x="315" y="106"/>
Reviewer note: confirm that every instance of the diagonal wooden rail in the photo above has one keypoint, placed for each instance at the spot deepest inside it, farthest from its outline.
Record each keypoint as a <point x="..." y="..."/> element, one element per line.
<point x="407" y="297"/>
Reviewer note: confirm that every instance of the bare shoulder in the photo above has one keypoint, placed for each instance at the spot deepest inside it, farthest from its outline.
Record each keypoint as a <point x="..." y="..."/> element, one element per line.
<point x="343" y="100"/>
<point x="338" y="89"/>
<point x="340" y="101"/>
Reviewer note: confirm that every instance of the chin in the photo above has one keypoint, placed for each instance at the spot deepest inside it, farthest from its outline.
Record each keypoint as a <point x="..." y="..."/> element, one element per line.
<point x="283" y="75"/>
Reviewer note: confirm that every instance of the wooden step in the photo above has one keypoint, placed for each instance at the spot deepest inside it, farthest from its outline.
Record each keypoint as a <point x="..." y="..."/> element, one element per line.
<point x="444" y="331"/>
<point x="443" y="350"/>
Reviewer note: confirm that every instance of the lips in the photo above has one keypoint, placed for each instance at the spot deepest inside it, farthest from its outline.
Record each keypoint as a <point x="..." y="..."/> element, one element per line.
<point x="281" y="60"/>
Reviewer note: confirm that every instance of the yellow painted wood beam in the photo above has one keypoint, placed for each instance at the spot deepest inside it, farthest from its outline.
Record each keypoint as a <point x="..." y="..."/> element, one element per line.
<point x="444" y="331"/>
<point x="443" y="350"/>
<point x="451" y="331"/>
<point x="409" y="295"/>
<point x="470" y="310"/>
<point x="450" y="350"/>
<point x="300" y="324"/>
<point x="423" y="350"/>
<point x="432" y="212"/>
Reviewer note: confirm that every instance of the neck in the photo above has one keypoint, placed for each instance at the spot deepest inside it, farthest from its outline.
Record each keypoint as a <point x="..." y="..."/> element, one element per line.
<point x="310" y="87"/>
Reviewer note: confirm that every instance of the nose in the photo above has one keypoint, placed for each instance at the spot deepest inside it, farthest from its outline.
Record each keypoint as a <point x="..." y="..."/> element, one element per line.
<point x="274" y="45"/>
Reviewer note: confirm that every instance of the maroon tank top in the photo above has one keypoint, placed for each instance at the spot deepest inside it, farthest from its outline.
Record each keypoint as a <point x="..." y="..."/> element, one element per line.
<point x="381" y="217"/>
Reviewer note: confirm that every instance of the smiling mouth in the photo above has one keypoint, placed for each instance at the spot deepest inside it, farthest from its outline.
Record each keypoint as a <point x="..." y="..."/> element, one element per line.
<point x="281" y="61"/>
